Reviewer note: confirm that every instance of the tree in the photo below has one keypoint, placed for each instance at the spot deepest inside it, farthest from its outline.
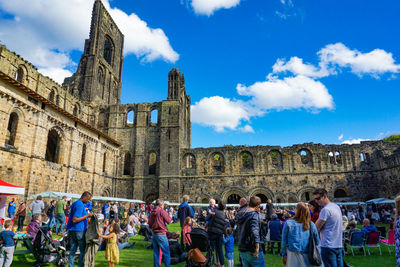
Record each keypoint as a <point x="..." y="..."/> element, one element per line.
<point x="392" y="138"/>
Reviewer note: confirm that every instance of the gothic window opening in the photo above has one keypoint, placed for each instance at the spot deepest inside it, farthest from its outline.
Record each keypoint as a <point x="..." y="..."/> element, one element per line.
<point x="100" y="76"/>
<point x="276" y="159"/>
<point x="75" y="112"/>
<point x="108" y="50"/>
<point x="127" y="164"/>
<point x="152" y="163"/>
<point x="218" y="162"/>
<point x="331" y="157"/>
<point x="339" y="193"/>
<point x="247" y="160"/>
<point x="233" y="199"/>
<point x="83" y="157"/>
<point x="338" y="158"/>
<point x="53" y="146"/>
<point x="154" y="116"/>
<point x="20" y="75"/>
<point x="263" y="198"/>
<point x="169" y="157"/>
<point x="52" y="96"/>
<point x="104" y="161"/>
<point x="169" y="134"/>
<point x="130" y="117"/>
<point x="189" y="161"/>
<point x="306" y="157"/>
<point x="12" y="129"/>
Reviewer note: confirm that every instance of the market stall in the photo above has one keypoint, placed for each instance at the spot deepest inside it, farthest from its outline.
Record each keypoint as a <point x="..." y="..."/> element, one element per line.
<point x="7" y="189"/>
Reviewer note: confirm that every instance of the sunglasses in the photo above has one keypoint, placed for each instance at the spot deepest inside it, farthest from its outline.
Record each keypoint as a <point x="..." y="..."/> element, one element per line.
<point x="317" y="198"/>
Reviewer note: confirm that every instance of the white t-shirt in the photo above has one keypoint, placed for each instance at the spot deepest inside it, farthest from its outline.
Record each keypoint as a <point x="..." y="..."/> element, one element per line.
<point x="332" y="232"/>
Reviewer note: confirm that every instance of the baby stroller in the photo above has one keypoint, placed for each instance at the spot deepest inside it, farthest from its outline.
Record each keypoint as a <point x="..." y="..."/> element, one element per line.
<point x="46" y="250"/>
<point x="199" y="240"/>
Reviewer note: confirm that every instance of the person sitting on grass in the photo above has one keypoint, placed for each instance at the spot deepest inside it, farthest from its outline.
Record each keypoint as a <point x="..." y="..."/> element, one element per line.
<point x="7" y="249"/>
<point x="112" y="251"/>
<point x="131" y="229"/>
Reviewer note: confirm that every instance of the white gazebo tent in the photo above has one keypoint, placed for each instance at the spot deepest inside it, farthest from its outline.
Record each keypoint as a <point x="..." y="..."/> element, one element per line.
<point x="7" y="189"/>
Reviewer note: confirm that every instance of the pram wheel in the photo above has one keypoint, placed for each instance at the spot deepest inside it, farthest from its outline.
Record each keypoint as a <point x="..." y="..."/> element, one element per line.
<point x="62" y="262"/>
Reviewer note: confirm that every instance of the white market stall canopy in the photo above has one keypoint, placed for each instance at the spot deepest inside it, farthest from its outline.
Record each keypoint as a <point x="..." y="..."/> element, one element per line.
<point x="380" y="201"/>
<point x="9" y="189"/>
<point x="59" y="195"/>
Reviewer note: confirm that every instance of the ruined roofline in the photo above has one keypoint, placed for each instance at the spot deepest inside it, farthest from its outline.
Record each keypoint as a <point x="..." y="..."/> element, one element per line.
<point x="295" y="146"/>
<point x="40" y="98"/>
<point x="108" y="14"/>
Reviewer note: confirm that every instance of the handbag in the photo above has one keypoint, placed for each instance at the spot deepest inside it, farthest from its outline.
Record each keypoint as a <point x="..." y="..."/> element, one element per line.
<point x="314" y="257"/>
<point x="196" y="255"/>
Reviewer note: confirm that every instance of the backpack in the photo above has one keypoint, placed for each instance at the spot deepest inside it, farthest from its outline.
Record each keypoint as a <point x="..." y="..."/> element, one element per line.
<point x="50" y="211"/>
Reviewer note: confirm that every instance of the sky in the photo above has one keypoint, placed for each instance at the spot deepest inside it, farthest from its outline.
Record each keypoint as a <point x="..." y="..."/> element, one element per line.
<point x="272" y="72"/>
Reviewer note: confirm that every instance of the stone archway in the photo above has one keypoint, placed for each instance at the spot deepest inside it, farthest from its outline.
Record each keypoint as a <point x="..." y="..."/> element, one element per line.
<point x="263" y="198"/>
<point x="264" y="192"/>
<point x="306" y="193"/>
<point x="233" y="199"/>
<point x="232" y="192"/>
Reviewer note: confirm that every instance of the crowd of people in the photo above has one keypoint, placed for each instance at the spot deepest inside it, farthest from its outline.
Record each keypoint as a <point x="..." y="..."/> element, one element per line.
<point x="311" y="234"/>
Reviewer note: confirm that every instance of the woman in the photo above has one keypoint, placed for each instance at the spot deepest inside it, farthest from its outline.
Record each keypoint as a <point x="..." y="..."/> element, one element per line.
<point x="216" y="229"/>
<point x="314" y="210"/>
<point x="51" y="213"/>
<point x="21" y="213"/>
<point x="397" y="231"/>
<point x="296" y="237"/>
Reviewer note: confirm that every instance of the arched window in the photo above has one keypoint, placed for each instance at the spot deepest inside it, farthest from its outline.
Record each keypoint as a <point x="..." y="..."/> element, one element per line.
<point x="152" y="163"/>
<point x="12" y="129"/>
<point x="154" y="116"/>
<point x="276" y="159"/>
<point x="247" y="160"/>
<point x="339" y="193"/>
<point x="338" y="158"/>
<point x="306" y="157"/>
<point x="57" y="100"/>
<point x="102" y="120"/>
<point x="52" y="96"/>
<point x="127" y="164"/>
<point x="189" y="161"/>
<point x="83" y="157"/>
<point x="104" y="161"/>
<point x="233" y="199"/>
<point x="130" y="117"/>
<point x="53" y="146"/>
<point x="331" y="157"/>
<point x="75" y="112"/>
<point x="217" y="162"/>
<point x="108" y="49"/>
<point x="100" y="76"/>
<point x="20" y="75"/>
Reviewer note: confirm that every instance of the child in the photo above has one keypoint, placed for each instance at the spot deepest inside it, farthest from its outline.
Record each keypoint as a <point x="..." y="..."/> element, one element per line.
<point x="7" y="251"/>
<point x="229" y="242"/>
<point x="187" y="228"/>
<point x="112" y="252"/>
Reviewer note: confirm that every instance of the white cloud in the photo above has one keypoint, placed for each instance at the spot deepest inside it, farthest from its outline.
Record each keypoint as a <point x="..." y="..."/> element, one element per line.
<point x="57" y="74"/>
<point x="220" y="113"/>
<point x="376" y="62"/>
<point x="247" y="129"/>
<point x="355" y="141"/>
<point x="296" y="66"/>
<point x="208" y="7"/>
<point x="55" y="28"/>
<point x="340" y="137"/>
<point x="291" y="92"/>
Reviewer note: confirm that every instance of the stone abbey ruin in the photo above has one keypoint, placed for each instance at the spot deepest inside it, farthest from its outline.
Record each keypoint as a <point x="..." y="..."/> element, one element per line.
<point x="78" y="137"/>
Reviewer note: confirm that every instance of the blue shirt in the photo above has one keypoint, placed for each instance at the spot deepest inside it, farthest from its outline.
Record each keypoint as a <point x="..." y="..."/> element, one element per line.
<point x="7" y="237"/>
<point x="229" y="243"/>
<point x="105" y="209"/>
<point x="369" y="229"/>
<point x="296" y="238"/>
<point x="275" y="229"/>
<point x="11" y="208"/>
<point x="77" y="210"/>
<point x="88" y="205"/>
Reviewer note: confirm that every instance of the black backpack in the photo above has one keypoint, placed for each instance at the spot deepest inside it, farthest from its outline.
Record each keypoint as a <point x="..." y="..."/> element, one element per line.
<point x="50" y="211"/>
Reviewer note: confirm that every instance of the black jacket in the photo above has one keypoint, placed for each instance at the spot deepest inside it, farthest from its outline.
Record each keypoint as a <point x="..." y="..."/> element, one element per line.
<point x="238" y="219"/>
<point x="249" y="231"/>
<point x="217" y="223"/>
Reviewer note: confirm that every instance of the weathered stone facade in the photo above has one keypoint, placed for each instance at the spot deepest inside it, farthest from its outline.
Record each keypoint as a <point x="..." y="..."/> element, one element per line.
<point x="79" y="137"/>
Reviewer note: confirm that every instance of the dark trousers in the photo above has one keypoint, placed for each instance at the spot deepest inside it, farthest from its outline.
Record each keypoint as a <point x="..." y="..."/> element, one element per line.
<point x="216" y="243"/>
<point x="21" y="220"/>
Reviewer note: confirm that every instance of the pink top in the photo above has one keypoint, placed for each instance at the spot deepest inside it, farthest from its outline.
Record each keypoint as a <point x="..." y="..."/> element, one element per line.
<point x="186" y="239"/>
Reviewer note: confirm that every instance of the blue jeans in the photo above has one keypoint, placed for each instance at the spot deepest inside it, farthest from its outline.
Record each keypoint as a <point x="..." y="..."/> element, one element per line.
<point x="11" y="215"/>
<point x="77" y="239"/>
<point x="332" y="257"/>
<point x="161" y="242"/>
<point x="248" y="260"/>
<point x="124" y="245"/>
<point x="216" y="243"/>
<point x="60" y="221"/>
<point x="52" y="222"/>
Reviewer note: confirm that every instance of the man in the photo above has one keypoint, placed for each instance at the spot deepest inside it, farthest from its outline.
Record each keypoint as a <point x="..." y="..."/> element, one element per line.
<point x="330" y="225"/>
<point x="77" y="225"/>
<point x="270" y="209"/>
<point x="157" y="222"/>
<point x="239" y="215"/>
<point x="21" y="213"/>
<point x="121" y="211"/>
<point x="106" y="210"/>
<point x="11" y="208"/>
<point x="37" y="206"/>
<point x="360" y="212"/>
<point x="249" y="242"/>
<point x="115" y="209"/>
<point x="60" y="214"/>
<point x="275" y="228"/>
<point x="368" y="227"/>
<point x="184" y="211"/>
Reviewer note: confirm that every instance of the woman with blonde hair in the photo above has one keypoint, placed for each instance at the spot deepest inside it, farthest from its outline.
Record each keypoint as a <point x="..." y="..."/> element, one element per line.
<point x="397" y="230"/>
<point x="296" y="237"/>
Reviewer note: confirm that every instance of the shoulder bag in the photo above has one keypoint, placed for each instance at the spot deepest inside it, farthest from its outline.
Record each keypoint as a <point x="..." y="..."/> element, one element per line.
<point x="314" y="256"/>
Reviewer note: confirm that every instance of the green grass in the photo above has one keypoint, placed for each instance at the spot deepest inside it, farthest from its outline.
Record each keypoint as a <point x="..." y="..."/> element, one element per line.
<point x="139" y="256"/>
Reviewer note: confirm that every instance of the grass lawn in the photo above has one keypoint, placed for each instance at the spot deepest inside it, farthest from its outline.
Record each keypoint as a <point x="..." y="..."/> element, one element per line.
<point x="140" y="256"/>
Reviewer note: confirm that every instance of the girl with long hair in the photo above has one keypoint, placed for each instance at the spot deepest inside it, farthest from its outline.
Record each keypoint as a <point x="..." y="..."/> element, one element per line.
<point x="296" y="237"/>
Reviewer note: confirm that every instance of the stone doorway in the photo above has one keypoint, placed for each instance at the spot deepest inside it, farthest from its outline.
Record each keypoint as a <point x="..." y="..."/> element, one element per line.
<point x="263" y="198"/>
<point x="233" y="199"/>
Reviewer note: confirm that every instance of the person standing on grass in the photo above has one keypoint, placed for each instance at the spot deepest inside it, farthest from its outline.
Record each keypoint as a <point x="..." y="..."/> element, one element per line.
<point x="76" y="227"/>
<point x="112" y="251"/>
<point x="329" y="224"/>
<point x="21" y="213"/>
<point x="8" y="247"/>
<point x="158" y="220"/>
<point x="184" y="211"/>
<point x="51" y="212"/>
<point x="11" y="208"/>
<point x="249" y="243"/>
<point x="37" y="206"/>
<point x="60" y="215"/>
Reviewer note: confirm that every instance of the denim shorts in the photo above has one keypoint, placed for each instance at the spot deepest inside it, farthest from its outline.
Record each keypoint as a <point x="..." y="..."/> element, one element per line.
<point x="229" y="255"/>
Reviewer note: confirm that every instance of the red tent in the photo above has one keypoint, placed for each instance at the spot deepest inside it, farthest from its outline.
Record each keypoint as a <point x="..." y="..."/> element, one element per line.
<point x="9" y="189"/>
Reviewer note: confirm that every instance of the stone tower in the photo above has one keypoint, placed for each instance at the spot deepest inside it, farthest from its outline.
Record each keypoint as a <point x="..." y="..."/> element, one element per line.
<point x="99" y="74"/>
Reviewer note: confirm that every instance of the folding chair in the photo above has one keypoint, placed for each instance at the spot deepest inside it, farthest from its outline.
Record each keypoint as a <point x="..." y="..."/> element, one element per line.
<point x="356" y="241"/>
<point x="373" y="242"/>
<point x="389" y="243"/>
<point x="382" y="229"/>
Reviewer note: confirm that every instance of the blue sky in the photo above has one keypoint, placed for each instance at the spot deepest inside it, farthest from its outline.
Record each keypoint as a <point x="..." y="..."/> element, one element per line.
<point x="332" y="66"/>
